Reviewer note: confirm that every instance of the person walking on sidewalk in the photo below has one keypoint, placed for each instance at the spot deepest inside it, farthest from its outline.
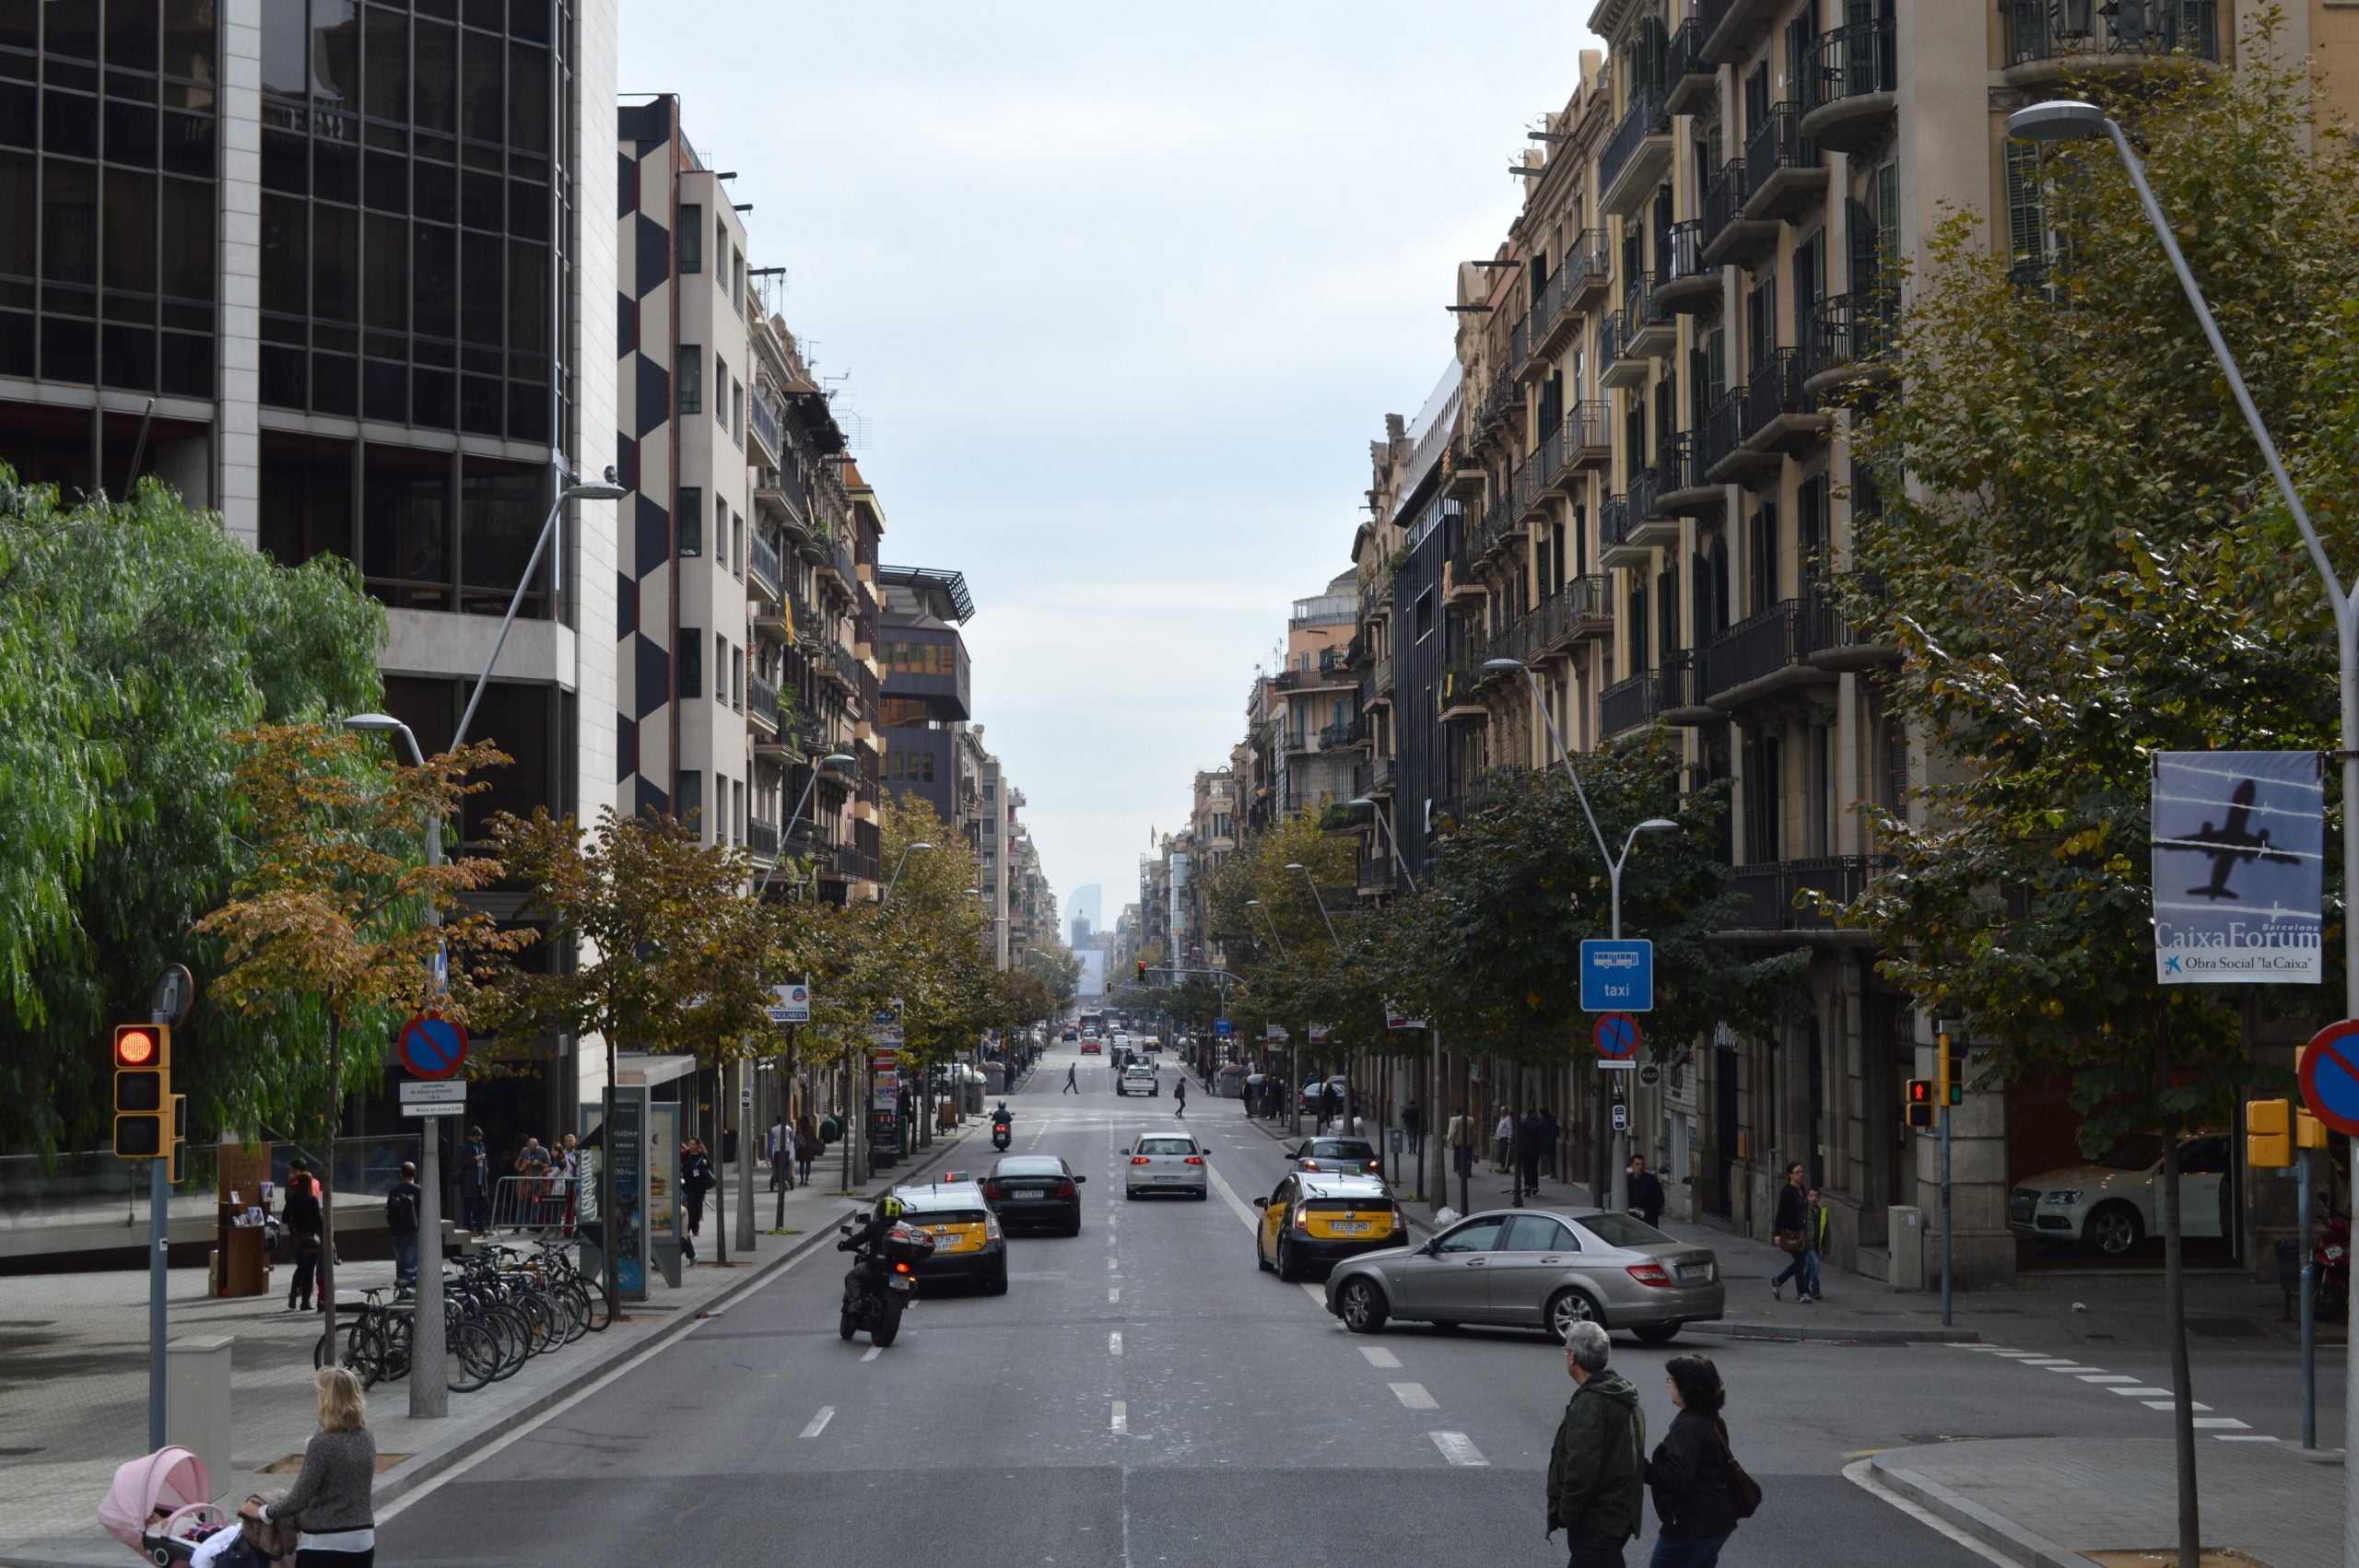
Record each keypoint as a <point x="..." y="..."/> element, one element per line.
<point x="1548" y="1135"/>
<point x="696" y="1180"/>
<point x="1459" y="1138"/>
<point x="1786" y="1235"/>
<point x="1813" y="1246"/>
<point x="1597" y="1469"/>
<point x="1692" y="1472"/>
<point x="331" y="1497"/>
<point x="1646" y="1191"/>
<point x="1412" y="1119"/>
<point x="299" y="1216"/>
<point x="401" y="1222"/>
<point x="475" y="1181"/>
<point x="1179" y="1095"/>
<point x="807" y="1144"/>
<point x="1504" y="1136"/>
<point x="1528" y="1134"/>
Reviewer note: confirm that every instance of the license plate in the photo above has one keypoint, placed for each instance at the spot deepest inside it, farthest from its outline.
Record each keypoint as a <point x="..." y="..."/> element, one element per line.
<point x="1169" y="1179"/>
<point x="1694" y="1271"/>
<point x="1031" y="1192"/>
<point x="1350" y="1228"/>
<point x="900" y="1281"/>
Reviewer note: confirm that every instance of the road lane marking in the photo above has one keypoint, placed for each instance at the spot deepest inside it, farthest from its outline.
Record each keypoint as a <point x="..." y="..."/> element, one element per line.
<point x="873" y="1351"/>
<point x="2138" y="1393"/>
<point x="2107" y="1377"/>
<point x="1862" y="1475"/>
<point x="1111" y="1265"/>
<point x="2173" y="1404"/>
<point x="1121" y="1418"/>
<point x="819" y="1423"/>
<point x="1413" y="1396"/>
<point x="1114" y="1342"/>
<point x="1458" y="1448"/>
<point x="1316" y="1292"/>
<point x="1378" y="1356"/>
<point x="2046" y="1361"/>
<point x="1237" y="1206"/>
<point x="1113" y="1294"/>
<point x="2069" y="1366"/>
<point x="2014" y="1355"/>
<point x="2244" y="1438"/>
<point x="2225" y="1422"/>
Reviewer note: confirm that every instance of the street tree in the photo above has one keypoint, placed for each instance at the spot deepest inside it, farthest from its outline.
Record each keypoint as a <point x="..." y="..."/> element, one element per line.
<point x="328" y="923"/>
<point x="138" y="640"/>
<point x="2083" y="561"/>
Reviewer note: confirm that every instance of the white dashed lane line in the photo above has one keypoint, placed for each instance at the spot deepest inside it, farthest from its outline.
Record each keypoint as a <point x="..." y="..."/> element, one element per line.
<point x="819" y="1423"/>
<point x="1412" y="1395"/>
<point x="873" y="1351"/>
<point x="1378" y="1356"/>
<point x="1114" y="1343"/>
<point x="1113" y="1294"/>
<point x="1121" y="1422"/>
<point x="1458" y="1448"/>
<point x="2226" y="1429"/>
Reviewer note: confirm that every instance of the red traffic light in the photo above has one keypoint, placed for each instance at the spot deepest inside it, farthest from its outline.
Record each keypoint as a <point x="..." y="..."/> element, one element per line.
<point x="1142" y="971"/>
<point x="135" y="1046"/>
<point x="1921" y="1090"/>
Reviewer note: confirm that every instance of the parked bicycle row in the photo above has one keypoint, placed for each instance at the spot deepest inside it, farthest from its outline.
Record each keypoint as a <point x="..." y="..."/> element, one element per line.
<point x="500" y="1308"/>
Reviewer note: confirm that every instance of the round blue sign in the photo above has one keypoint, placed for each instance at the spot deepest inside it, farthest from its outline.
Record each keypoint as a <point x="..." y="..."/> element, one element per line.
<point x="431" y="1046"/>
<point x="1616" y="1034"/>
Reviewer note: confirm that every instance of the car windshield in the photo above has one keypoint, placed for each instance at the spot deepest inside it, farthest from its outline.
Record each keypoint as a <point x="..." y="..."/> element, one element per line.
<point x="1166" y="1145"/>
<point x="2139" y="1153"/>
<point x="1620" y="1230"/>
<point x="1339" y="1149"/>
<point x="1029" y="1165"/>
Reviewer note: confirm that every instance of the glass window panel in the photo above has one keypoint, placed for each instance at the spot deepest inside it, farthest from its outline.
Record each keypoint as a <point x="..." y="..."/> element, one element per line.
<point x="485" y="14"/>
<point x="130" y="232"/>
<point x="387" y="66"/>
<point x="284" y="49"/>
<point x="432" y="401"/>
<point x="186" y="368"/>
<point x="188" y="144"/>
<point x="285" y="377"/>
<point x="21" y="25"/>
<point x="384" y="391"/>
<point x="387" y="303"/>
<point x="286" y="162"/>
<point x="336" y="264"/>
<point x="335" y="52"/>
<point x="188" y="42"/>
<point x="437" y="66"/>
<point x="69" y="213"/>
<point x="17" y="333"/>
<point x="128" y="358"/>
<point x="131" y="34"/>
<point x="515" y="715"/>
<point x="528" y="210"/>
<point x="331" y="383"/>
<point x="500" y="511"/>
<point x="528" y="298"/>
<point x="336" y="172"/>
<point x="388" y="182"/>
<point x="529" y="19"/>
<point x="285" y="254"/>
<point x="130" y="133"/>
<point x="482" y="99"/>
<point x="528" y="411"/>
<point x="72" y="31"/>
<point x="479" y="201"/>
<point x="69" y="125"/>
<point x="528" y="98"/>
<point x="479" y="404"/>
<point x="690" y="237"/>
<point x="69" y="349"/>
<point x="481" y="285"/>
<point x="21" y="117"/>
<point x="434" y="190"/>
<point x="405" y="528"/>
<point x="18" y="186"/>
<point x="434" y="276"/>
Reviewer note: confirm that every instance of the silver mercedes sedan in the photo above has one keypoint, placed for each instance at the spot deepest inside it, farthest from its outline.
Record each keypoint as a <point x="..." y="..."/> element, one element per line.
<point x="1535" y="1269"/>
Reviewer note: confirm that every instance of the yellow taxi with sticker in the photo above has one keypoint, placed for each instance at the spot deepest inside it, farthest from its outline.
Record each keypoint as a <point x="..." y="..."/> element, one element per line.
<point x="968" y="1241"/>
<point x="1314" y="1220"/>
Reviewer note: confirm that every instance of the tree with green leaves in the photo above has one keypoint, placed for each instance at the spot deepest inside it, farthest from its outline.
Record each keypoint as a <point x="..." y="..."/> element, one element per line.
<point x="329" y="923"/>
<point x="137" y="641"/>
<point x="2084" y="562"/>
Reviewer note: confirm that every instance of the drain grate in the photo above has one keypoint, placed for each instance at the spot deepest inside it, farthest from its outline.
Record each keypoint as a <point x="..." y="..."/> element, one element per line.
<point x="2225" y="1328"/>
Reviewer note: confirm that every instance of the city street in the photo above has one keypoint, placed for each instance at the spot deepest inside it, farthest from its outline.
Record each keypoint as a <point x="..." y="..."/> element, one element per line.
<point x="1143" y="1394"/>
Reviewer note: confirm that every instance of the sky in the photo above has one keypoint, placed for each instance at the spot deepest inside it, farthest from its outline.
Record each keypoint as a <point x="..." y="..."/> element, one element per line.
<point x="1121" y="295"/>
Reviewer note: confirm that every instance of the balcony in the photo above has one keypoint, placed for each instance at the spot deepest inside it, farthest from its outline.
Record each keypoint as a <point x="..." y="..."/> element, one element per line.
<point x="1728" y="235"/>
<point x="780" y="490"/>
<point x="1850" y="103"/>
<point x="768" y="443"/>
<point x="1784" y="175"/>
<point x="769" y="618"/>
<point x="1380" y="694"/>
<point x="1343" y="736"/>
<point x="1590" y="263"/>
<point x="1766" y="896"/>
<point x="1840" y="646"/>
<point x="1614" y="546"/>
<point x="1727" y="459"/>
<point x="1648" y="326"/>
<point x="1689" y="79"/>
<point x="1381" y="777"/>
<point x="1376" y="876"/>
<point x="1732" y="26"/>
<point x="1762" y="655"/>
<point x="1505" y="397"/>
<point x="1633" y="524"/>
<point x="1636" y="156"/>
<point x="836" y="663"/>
<point x="1651" y="525"/>
<point x="1619" y="366"/>
<point x="2045" y="41"/>
<point x="1677" y="698"/>
<point x="761" y="839"/>
<point x="1589" y="606"/>
<point x="1553" y="315"/>
<point x="1519" y="344"/>
<point x="1459" y="698"/>
<point x="1780" y="415"/>
<point x="761" y="703"/>
<point x="1537" y="473"/>
<point x="1686" y="282"/>
<point x="1687" y="491"/>
<point x="766" y="578"/>
<point x="1592" y="446"/>
<point x="1627" y="705"/>
<point x="1845" y="340"/>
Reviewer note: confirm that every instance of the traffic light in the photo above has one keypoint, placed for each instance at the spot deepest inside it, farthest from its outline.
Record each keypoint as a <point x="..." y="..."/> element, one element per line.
<point x="2309" y="1132"/>
<point x="1953" y="1093"/>
<point x="1142" y="971"/>
<point x="143" y="1091"/>
<point x="2268" y="1134"/>
<point x="1920" y="1101"/>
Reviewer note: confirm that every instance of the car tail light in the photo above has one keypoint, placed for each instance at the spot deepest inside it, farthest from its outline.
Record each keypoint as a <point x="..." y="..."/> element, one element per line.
<point x="1650" y="1274"/>
<point x="1302" y="1221"/>
<point x="1195" y="1159"/>
<point x="1138" y="1159"/>
<point x="1310" y="1164"/>
<point x="1399" y="1218"/>
<point x="1065" y="1190"/>
<point x="990" y="1189"/>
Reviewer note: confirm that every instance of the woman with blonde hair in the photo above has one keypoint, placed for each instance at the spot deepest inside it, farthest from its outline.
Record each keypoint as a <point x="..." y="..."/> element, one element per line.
<point x="330" y="1500"/>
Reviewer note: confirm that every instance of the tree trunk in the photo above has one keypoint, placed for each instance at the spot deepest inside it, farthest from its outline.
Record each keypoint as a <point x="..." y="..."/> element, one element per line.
<point x="326" y="1282"/>
<point x="2190" y="1529"/>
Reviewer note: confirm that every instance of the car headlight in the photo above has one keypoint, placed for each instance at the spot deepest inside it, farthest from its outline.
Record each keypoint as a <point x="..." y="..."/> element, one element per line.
<point x="2060" y="1200"/>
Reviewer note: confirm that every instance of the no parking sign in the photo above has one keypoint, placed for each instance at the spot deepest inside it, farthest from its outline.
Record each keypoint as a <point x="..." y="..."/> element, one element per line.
<point x="2329" y="1075"/>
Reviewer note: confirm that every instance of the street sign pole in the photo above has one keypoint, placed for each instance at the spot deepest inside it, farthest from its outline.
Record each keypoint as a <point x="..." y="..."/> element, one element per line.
<point x="160" y="1196"/>
<point x="2309" y="1308"/>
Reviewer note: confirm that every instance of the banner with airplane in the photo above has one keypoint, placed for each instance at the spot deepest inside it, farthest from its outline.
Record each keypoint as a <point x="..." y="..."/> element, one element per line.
<point x="2240" y="841"/>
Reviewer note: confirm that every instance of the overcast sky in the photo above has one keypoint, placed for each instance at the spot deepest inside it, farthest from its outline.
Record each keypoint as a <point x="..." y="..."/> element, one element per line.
<point x="1122" y="293"/>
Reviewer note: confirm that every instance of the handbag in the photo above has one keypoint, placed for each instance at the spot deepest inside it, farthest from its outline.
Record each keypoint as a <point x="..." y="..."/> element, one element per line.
<point x="1787" y="1241"/>
<point x="1745" y="1493"/>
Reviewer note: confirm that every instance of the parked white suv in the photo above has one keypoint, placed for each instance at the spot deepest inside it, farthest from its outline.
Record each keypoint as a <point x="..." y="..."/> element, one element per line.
<point x="2114" y="1203"/>
<point x="1139" y="1078"/>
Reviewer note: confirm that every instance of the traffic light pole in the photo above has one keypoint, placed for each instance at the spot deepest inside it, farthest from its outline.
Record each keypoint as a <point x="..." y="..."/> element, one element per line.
<point x="1945" y="1113"/>
<point x="2309" y="1306"/>
<point x="159" y="1193"/>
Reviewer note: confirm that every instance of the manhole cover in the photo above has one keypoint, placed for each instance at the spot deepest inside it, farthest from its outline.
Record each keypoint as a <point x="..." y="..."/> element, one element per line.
<point x="2225" y="1328"/>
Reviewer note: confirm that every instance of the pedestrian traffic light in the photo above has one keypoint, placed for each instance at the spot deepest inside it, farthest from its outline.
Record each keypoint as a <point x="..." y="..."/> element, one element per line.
<point x="143" y="1091"/>
<point x="1920" y="1101"/>
<point x="2268" y="1134"/>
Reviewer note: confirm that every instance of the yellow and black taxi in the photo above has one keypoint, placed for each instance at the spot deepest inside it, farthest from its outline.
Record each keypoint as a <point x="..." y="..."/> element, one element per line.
<point x="1316" y="1219"/>
<point x="967" y="1242"/>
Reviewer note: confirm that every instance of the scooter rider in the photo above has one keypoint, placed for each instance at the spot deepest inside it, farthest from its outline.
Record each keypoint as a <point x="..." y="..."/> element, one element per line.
<point x="872" y="1230"/>
<point x="1000" y="1117"/>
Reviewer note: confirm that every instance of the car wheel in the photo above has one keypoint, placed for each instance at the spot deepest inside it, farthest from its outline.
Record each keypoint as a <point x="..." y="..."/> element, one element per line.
<point x="1658" y="1333"/>
<point x="1130" y="1195"/>
<point x="1259" y="1262"/>
<point x="1286" y="1262"/>
<point x="997" y="1284"/>
<point x="1361" y="1306"/>
<point x="2114" y="1231"/>
<point x="1569" y="1306"/>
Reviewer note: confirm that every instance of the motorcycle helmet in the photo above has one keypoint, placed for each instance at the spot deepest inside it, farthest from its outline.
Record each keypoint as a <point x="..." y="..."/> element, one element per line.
<point x="889" y="1208"/>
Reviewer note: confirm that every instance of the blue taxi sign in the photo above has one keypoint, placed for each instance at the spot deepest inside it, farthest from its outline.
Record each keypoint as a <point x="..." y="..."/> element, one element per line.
<point x="1618" y="976"/>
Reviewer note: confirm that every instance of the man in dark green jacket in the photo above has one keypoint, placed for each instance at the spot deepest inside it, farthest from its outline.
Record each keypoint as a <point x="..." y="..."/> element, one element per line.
<point x="1598" y="1470"/>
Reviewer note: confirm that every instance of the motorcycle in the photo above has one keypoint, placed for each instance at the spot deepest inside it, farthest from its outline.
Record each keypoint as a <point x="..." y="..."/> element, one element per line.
<point x="2331" y="1268"/>
<point x="880" y="1281"/>
<point x="1001" y="1136"/>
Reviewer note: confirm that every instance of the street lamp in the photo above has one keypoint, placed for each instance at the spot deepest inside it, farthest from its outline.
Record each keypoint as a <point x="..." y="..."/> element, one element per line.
<point x="1431" y="1132"/>
<point x="608" y="491"/>
<point x="906" y="852"/>
<point x="2067" y="119"/>
<point x="1384" y="826"/>
<point x="832" y="760"/>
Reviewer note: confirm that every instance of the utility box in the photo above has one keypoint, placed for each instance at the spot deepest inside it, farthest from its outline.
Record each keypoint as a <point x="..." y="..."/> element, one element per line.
<point x="196" y="1399"/>
<point x="1906" y="1239"/>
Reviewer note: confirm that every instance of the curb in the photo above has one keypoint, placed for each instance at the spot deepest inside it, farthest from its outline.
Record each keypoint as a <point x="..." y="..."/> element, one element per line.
<point x="2006" y="1535"/>
<point x="1834" y="1334"/>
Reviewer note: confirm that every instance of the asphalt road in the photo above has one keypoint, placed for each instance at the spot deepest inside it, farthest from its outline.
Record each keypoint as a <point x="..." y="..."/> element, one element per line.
<point x="1144" y="1394"/>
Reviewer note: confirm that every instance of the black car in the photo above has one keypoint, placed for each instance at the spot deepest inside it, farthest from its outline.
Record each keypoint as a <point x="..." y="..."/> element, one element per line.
<point x="1038" y="1191"/>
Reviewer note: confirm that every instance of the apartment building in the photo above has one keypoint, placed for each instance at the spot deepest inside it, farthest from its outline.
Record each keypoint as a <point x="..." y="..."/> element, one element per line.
<point x="1319" y="740"/>
<point x="928" y="700"/>
<point x="326" y="270"/>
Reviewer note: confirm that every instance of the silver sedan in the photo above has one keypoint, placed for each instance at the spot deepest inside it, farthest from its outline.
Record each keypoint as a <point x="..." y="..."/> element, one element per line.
<point x="1535" y="1269"/>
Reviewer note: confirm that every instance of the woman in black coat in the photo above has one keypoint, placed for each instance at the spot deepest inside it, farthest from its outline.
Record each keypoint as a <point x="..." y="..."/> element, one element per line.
<point x="299" y="1216"/>
<point x="1691" y="1470"/>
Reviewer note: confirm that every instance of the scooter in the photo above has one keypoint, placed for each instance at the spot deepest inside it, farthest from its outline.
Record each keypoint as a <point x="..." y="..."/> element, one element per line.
<point x="2331" y="1267"/>
<point x="1001" y="1136"/>
<point x="878" y="1286"/>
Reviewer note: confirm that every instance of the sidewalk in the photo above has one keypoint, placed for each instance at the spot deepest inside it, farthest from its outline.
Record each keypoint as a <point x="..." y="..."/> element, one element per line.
<point x="73" y="1372"/>
<point x="2044" y="1501"/>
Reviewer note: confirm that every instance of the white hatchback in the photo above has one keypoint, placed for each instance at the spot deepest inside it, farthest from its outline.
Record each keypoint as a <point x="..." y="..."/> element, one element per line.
<point x="1139" y="1078"/>
<point x="1167" y="1162"/>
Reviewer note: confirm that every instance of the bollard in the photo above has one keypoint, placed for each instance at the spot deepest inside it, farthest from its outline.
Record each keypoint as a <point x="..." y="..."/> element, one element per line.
<point x="197" y="1401"/>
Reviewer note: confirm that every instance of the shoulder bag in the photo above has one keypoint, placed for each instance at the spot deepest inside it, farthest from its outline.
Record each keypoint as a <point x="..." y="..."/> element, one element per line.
<point x="1745" y="1493"/>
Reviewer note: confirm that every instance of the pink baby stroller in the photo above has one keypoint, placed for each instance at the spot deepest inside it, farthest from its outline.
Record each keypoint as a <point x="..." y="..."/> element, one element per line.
<point x="160" y="1507"/>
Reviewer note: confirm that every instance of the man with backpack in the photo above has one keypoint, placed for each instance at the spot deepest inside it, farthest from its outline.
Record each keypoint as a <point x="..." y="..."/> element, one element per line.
<point x="400" y="1219"/>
